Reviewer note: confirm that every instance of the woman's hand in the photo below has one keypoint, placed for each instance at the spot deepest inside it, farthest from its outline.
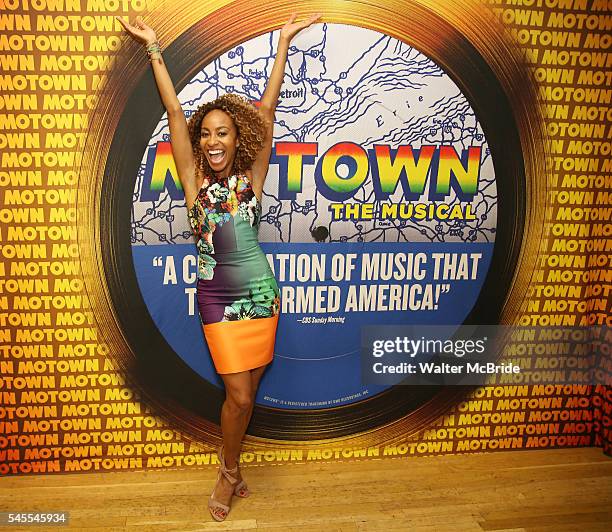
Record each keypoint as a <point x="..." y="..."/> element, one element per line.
<point x="291" y="28"/>
<point x="139" y="31"/>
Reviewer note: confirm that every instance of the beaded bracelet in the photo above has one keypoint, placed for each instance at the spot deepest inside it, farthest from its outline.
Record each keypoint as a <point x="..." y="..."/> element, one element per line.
<point x="153" y="48"/>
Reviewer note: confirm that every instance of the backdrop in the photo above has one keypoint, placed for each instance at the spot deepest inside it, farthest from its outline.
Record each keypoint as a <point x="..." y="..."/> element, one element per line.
<point x="432" y="164"/>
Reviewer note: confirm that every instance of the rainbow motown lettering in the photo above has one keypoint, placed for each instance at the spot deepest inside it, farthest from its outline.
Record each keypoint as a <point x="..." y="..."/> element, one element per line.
<point x="429" y="172"/>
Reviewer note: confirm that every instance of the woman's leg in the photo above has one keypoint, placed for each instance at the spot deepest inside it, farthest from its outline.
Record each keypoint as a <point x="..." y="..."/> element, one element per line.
<point x="236" y="407"/>
<point x="256" y="375"/>
<point x="255" y="378"/>
<point x="240" y="390"/>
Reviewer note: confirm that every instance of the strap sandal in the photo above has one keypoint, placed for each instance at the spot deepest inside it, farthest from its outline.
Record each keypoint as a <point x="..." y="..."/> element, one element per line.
<point x="218" y="510"/>
<point x="241" y="489"/>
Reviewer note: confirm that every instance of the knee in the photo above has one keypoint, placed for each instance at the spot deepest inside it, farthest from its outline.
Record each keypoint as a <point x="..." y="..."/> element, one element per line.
<point x="241" y="401"/>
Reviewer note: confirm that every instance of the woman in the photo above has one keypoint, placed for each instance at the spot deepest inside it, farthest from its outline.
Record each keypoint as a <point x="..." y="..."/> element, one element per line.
<point x="222" y="158"/>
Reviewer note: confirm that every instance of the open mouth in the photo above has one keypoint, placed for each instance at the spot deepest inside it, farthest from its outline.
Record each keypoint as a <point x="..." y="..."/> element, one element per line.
<point x="216" y="156"/>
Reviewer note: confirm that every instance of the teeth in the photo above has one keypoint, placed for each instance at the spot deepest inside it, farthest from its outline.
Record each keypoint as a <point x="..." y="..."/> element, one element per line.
<point x="216" y="156"/>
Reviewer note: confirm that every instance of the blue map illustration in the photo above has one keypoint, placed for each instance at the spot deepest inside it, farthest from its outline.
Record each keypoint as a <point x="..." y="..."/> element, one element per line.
<point x="342" y="83"/>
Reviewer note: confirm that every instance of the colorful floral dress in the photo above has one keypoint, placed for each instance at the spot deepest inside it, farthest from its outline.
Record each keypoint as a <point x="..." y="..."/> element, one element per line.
<point x="238" y="298"/>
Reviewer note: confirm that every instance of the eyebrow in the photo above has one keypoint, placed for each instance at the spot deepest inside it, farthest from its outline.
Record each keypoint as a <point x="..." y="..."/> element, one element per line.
<point x="220" y="127"/>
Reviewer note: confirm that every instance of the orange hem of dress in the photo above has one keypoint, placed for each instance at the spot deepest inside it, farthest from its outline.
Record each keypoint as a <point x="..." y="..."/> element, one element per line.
<point x="241" y="345"/>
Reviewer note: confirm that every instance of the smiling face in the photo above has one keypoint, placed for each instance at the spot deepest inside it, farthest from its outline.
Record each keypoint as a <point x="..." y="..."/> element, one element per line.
<point x="219" y="141"/>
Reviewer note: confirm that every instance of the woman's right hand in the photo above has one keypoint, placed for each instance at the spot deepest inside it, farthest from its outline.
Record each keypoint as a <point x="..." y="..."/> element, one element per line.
<point x="139" y="31"/>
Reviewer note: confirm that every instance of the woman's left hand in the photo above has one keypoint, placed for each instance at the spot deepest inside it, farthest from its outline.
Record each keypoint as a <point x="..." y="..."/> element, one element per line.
<point x="291" y="28"/>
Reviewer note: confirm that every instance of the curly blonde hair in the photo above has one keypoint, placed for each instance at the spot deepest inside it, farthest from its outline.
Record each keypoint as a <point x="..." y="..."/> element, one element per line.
<point x="248" y="121"/>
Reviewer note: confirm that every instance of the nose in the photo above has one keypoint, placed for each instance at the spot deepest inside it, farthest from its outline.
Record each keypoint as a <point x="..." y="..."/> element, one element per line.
<point x="211" y="140"/>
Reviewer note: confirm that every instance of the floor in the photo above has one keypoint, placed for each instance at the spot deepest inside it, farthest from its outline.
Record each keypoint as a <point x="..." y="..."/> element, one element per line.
<point x="546" y="490"/>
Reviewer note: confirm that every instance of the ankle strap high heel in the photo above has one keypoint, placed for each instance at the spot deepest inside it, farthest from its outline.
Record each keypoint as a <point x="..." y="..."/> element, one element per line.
<point x="213" y="504"/>
<point x="241" y="489"/>
<point x="225" y="470"/>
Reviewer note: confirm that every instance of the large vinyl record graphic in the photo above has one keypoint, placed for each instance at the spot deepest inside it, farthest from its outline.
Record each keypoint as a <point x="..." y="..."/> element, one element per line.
<point x="386" y="162"/>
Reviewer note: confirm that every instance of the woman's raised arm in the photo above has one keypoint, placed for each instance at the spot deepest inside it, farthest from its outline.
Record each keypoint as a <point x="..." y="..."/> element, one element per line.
<point x="179" y="133"/>
<point x="269" y="100"/>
